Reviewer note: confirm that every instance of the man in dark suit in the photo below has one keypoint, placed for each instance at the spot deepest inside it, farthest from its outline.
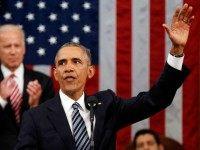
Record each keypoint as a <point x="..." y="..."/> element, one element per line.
<point x="64" y="121"/>
<point x="33" y="87"/>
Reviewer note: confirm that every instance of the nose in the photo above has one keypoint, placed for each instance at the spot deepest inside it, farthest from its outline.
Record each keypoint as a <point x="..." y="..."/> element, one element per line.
<point x="146" y="147"/>
<point x="12" y="49"/>
<point x="69" y="67"/>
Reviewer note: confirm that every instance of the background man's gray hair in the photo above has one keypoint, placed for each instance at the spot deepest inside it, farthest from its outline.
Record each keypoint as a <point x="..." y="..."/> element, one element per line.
<point x="5" y="27"/>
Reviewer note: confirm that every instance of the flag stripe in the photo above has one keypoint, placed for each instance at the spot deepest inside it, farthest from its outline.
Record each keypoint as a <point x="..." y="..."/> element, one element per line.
<point x="46" y="69"/>
<point x="157" y="54"/>
<point x="107" y="44"/>
<point x="124" y="59"/>
<point x="173" y="114"/>
<point x="140" y="53"/>
<point x="191" y="86"/>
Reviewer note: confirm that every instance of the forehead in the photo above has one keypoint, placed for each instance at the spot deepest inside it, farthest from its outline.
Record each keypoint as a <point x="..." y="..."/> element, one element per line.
<point x="10" y="34"/>
<point x="71" y="52"/>
<point x="145" y="137"/>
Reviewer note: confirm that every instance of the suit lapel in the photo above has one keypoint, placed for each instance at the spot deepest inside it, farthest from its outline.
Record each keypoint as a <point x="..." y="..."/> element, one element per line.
<point x="100" y="117"/>
<point x="58" y="118"/>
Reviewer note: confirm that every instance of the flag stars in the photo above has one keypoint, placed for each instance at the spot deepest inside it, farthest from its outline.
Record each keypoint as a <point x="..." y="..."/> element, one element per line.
<point x="64" y="28"/>
<point x="41" y="5"/>
<point x="30" y="16"/>
<point x="76" y="17"/>
<point x="75" y="39"/>
<point x="7" y="16"/>
<point x="19" y="5"/>
<point x="86" y="29"/>
<point x="41" y="28"/>
<point x="64" y="5"/>
<point x="87" y="5"/>
<point x="53" y="17"/>
<point x="41" y="51"/>
<point x="30" y="40"/>
<point x="52" y="40"/>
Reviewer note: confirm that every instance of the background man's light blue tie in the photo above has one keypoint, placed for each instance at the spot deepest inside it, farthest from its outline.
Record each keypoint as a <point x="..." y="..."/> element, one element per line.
<point x="79" y="129"/>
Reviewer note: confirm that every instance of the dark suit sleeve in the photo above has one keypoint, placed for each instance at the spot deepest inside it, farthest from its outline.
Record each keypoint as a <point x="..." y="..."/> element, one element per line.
<point x="145" y="104"/>
<point x="27" y="139"/>
<point x="48" y="90"/>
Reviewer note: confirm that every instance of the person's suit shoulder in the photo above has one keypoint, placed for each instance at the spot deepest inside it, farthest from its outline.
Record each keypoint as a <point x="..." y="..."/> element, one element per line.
<point x="36" y="74"/>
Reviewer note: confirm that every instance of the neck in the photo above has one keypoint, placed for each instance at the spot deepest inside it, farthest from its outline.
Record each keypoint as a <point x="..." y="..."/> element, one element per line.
<point x="74" y="95"/>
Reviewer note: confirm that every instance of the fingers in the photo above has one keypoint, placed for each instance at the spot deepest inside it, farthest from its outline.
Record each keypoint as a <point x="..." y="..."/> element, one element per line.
<point x="176" y="14"/>
<point x="166" y="29"/>
<point x="34" y="88"/>
<point x="190" y="20"/>
<point x="188" y="13"/>
<point x="185" y="14"/>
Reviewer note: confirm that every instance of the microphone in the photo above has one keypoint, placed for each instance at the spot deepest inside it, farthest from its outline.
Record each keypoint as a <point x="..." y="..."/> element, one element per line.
<point x="91" y="104"/>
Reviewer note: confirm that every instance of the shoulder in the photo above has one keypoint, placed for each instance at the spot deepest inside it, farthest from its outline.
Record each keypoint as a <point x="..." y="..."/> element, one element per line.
<point x="105" y="93"/>
<point x="35" y="74"/>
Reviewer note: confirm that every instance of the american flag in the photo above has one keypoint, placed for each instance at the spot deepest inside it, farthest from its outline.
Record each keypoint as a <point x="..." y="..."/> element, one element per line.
<point x="129" y="48"/>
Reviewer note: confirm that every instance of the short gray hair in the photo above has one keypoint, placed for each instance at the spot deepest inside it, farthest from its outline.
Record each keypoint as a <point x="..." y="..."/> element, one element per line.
<point x="6" y="27"/>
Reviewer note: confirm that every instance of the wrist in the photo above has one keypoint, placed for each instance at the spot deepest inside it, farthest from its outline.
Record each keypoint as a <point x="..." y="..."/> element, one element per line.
<point x="177" y="51"/>
<point x="177" y="55"/>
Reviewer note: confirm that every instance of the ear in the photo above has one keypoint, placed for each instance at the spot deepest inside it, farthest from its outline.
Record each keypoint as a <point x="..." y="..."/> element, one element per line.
<point x="91" y="71"/>
<point x="161" y="147"/>
<point x="55" y="74"/>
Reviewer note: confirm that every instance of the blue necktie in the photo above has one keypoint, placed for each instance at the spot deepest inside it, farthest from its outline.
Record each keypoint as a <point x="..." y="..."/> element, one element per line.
<point x="79" y="129"/>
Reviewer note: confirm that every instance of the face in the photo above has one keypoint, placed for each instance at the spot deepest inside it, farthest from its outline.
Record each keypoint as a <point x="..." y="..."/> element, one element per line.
<point x="72" y="69"/>
<point x="12" y="48"/>
<point x="147" y="142"/>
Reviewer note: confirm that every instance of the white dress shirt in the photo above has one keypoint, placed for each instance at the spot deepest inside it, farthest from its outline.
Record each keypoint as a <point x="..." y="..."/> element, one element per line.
<point x="67" y="103"/>
<point x="19" y="78"/>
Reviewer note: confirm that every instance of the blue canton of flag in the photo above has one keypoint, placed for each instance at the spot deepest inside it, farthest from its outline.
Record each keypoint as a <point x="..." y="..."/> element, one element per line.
<point x="48" y="24"/>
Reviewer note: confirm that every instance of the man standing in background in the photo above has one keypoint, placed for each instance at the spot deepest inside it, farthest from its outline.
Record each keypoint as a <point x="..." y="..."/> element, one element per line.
<point x="20" y="88"/>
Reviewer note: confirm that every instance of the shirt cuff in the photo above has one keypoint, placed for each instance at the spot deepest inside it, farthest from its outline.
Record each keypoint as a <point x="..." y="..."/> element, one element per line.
<point x="175" y="62"/>
<point x="3" y="102"/>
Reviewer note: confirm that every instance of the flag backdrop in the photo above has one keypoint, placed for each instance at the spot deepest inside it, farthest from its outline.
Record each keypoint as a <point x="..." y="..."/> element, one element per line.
<point x="129" y="48"/>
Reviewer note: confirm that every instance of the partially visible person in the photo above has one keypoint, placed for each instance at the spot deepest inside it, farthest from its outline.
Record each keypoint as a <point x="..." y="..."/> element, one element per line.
<point x="147" y="139"/>
<point x="170" y="144"/>
<point x="20" y="88"/>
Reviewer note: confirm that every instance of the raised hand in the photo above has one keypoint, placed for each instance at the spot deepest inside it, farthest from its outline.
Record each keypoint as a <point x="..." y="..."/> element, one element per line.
<point x="34" y="90"/>
<point x="179" y="30"/>
<point x="6" y="87"/>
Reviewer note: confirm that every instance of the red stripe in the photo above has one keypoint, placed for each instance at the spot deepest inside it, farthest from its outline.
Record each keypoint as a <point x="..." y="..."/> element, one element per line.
<point x="92" y="85"/>
<point x="123" y="61"/>
<point x="191" y="90"/>
<point x="157" y="54"/>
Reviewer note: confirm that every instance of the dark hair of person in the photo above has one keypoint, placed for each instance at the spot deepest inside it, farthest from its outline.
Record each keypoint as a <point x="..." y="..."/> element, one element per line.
<point x="146" y="131"/>
<point x="86" y="50"/>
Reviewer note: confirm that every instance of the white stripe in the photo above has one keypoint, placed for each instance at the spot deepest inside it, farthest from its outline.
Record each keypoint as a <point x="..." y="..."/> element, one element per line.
<point x="173" y="114"/>
<point x="46" y="69"/>
<point x="107" y="46"/>
<point x="140" y="52"/>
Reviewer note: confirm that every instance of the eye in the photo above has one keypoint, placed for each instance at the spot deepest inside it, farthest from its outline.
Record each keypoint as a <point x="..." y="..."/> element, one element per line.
<point x="77" y="61"/>
<point x="62" y="62"/>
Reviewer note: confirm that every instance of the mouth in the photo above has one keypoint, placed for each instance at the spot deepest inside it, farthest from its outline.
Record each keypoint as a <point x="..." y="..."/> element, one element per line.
<point x="69" y="78"/>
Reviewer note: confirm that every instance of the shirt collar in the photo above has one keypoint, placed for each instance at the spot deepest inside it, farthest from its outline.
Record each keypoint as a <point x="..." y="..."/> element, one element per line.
<point x="67" y="102"/>
<point x="18" y="72"/>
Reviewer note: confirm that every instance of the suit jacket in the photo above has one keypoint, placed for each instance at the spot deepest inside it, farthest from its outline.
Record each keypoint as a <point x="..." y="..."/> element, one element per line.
<point x="8" y="128"/>
<point x="46" y="127"/>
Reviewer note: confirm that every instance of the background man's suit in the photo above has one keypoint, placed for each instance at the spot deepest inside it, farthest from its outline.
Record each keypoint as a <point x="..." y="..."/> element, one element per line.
<point x="8" y="127"/>
<point x="46" y="127"/>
